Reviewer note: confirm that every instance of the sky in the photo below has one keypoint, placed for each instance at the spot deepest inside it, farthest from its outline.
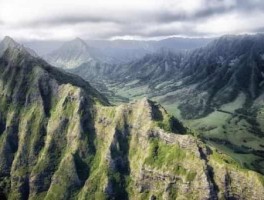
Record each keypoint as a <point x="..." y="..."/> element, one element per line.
<point x="128" y="19"/>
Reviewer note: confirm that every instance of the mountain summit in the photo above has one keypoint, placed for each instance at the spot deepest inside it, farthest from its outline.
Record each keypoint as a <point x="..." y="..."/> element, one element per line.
<point x="71" y="54"/>
<point x="60" y="139"/>
<point x="10" y="43"/>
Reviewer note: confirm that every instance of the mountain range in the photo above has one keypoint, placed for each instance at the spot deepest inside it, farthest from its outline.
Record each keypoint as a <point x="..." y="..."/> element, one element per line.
<point x="61" y="139"/>
<point x="106" y="51"/>
<point x="217" y="90"/>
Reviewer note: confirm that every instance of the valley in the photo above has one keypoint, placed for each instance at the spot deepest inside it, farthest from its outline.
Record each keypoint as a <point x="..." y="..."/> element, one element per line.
<point x="131" y="100"/>
<point x="61" y="139"/>
<point x="216" y="90"/>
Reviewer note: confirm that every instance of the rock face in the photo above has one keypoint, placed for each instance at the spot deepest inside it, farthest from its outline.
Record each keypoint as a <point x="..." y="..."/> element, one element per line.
<point x="60" y="139"/>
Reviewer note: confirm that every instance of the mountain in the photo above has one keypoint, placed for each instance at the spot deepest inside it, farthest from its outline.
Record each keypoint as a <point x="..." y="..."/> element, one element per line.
<point x="71" y="54"/>
<point x="227" y="67"/>
<point x="9" y="42"/>
<point x="217" y="90"/>
<point x="124" y="51"/>
<point x="175" y="44"/>
<point x="61" y="139"/>
<point x="221" y="71"/>
<point x="110" y="51"/>
<point x="150" y="70"/>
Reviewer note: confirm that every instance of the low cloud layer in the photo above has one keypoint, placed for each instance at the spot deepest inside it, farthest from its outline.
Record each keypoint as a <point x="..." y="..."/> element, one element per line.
<point x="137" y="19"/>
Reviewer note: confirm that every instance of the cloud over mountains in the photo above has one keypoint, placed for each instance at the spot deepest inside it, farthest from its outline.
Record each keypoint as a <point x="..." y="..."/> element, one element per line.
<point x="147" y="19"/>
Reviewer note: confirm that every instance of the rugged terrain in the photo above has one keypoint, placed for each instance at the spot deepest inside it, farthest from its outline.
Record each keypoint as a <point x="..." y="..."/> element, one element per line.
<point x="221" y="70"/>
<point x="217" y="90"/>
<point x="61" y="139"/>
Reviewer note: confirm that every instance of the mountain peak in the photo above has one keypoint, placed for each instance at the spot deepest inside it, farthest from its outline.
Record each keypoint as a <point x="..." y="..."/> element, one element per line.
<point x="8" y="39"/>
<point x="78" y="41"/>
<point x="9" y="42"/>
<point x="71" y="54"/>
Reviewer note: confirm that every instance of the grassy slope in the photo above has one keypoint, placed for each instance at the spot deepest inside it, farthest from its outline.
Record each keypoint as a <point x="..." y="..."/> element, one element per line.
<point x="61" y="141"/>
<point x="217" y="128"/>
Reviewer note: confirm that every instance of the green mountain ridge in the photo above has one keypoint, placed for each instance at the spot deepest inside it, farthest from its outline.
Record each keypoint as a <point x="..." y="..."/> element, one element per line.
<point x="216" y="90"/>
<point x="61" y="139"/>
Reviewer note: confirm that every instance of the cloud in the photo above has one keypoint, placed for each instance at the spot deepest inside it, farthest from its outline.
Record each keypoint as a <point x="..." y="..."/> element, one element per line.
<point x="104" y="19"/>
<point x="69" y="20"/>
